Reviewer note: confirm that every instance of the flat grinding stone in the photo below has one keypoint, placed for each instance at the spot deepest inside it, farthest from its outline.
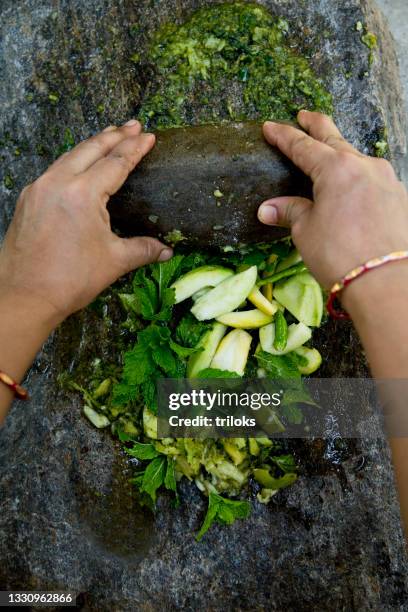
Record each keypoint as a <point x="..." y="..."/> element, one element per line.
<point x="68" y="520"/>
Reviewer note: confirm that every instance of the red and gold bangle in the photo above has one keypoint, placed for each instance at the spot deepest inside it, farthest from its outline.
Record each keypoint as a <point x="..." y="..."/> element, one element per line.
<point x="17" y="389"/>
<point x="356" y="273"/>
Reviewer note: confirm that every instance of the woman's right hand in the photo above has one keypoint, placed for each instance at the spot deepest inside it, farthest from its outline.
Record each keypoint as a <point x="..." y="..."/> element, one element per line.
<point x="360" y="208"/>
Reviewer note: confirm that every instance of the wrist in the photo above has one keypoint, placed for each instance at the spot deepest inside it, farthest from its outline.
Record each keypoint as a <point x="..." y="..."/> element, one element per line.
<point x="28" y="309"/>
<point x="377" y="290"/>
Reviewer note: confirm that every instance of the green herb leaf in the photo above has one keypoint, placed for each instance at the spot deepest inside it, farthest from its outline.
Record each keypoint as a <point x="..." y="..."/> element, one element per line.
<point x="285" y="462"/>
<point x="170" y="478"/>
<point x="153" y="477"/>
<point x="138" y="367"/>
<point x="143" y="451"/>
<point x="279" y="366"/>
<point x="164" y="273"/>
<point x="183" y="351"/>
<point x="189" y="330"/>
<point x="223" y="511"/>
<point x="214" y="373"/>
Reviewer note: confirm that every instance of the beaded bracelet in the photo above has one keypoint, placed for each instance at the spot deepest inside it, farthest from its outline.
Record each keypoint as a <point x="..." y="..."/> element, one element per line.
<point x="356" y="273"/>
<point x="19" y="392"/>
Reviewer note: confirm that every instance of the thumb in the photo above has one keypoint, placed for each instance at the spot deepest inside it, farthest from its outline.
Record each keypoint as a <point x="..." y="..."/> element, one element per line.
<point x="137" y="252"/>
<point x="283" y="211"/>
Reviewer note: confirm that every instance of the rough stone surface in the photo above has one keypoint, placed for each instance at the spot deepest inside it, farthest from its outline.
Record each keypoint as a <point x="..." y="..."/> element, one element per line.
<point x="67" y="517"/>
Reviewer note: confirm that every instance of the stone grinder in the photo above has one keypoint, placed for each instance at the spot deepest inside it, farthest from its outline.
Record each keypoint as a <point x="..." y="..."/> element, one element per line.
<point x="203" y="185"/>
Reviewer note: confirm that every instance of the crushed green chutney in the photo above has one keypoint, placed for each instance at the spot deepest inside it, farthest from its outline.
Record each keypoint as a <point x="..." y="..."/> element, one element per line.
<point x="228" y="62"/>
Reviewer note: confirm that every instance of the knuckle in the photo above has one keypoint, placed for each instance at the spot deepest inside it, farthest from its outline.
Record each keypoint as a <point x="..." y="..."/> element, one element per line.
<point x="97" y="142"/>
<point x="299" y="144"/>
<point x="149" y="252"/>
<point x="332" y="140"/>
<point x="124" y="161"/>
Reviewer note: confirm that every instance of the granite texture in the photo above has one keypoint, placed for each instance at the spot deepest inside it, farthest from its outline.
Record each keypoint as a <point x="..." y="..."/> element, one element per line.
<point x="396" y="13"/>
<point x="68" y="518"/>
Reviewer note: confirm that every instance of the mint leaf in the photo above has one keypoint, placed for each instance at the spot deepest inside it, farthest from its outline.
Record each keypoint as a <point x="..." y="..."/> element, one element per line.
<point x="285" y="462"/>
<point x="279" y="366"/>
<point x="292" y="413"/>
<point x="165" y="359"/>
<point x="138" y="367"/>
<point x="149" y="393"/>
<point x="168" y="297"/>
<point x="170" y="478"/>
<point x="214" y="373"/>
<point x="223" y="511"/>
<point x="143" y="451"/>
<point x="190" y="262"/>
<point x="154" y="476"/>
<point x="189" y="330"/>
<point x="183" y="351"/>
<point x="164" y="273"/>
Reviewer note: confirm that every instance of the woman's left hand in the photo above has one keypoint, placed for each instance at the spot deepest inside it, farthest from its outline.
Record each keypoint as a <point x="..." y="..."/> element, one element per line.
<point x="60" y="249"/>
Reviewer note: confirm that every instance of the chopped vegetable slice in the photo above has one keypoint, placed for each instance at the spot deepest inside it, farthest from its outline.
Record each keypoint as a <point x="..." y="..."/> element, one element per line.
<point x="99" y="420"/>
<point x="226" y="296"/>
<point x="281" y="332"/>
<point x="302" y="296"/>
<point x="298" y="334"/>
<point x="195" y="280"/>
<point x="232" y="353"/>
<point x="313" y="360"/>
<point x="261" y="302"/>
<point x="264" y="477"/>
<point x="246" y="319"/>
<point x="208" y="344"/>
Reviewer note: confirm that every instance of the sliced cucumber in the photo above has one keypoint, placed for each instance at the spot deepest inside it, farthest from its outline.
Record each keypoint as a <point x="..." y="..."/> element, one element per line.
<point x="298" y="334"/>
<point x="245" y="319"/>
<point x="313" y="357"/>
<point x="209" y="343"/>
<point x="260" y="301"/>
<point x="226" y="296"/>
<point x="205" y="276"/>
<point x="302" y="296"/>
<point x="232" y="353"/>
<point x="199" y="294"/>
<point x="99" y="420"/>
<point x="292" y="259"/>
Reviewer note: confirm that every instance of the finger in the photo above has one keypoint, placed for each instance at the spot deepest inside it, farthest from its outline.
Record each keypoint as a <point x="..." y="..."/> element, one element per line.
<point x="108" y="174"/>
<point x="136" y="252"/>
<point x="322" y="128"/>
<point x="306" y="153"/>
<point x="284" y="212"/>
<point x="84" y="155"/>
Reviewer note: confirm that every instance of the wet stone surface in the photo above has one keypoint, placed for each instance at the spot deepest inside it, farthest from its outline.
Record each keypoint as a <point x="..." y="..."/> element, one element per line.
<point x="68" y="518"/>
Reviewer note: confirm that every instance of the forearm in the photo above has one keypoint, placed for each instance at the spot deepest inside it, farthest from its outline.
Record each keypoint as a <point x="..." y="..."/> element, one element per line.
<point x="378" y="305"/>
<point x="25" y="324"/>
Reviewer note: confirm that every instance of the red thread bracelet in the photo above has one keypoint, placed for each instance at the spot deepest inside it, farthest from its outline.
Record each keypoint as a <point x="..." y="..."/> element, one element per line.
<point x="356" y="273"/>
<point x="17" y="389"/>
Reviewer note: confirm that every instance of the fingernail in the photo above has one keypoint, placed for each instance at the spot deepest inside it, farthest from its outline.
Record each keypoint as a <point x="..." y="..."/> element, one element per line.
<point x="131" y="122"/>
<point x="301" y="112"/>
<point x="165" y="255"/>
<point x="270" y="123"/>
<point x="268" y="214"/>
<point x="110" y="128"/>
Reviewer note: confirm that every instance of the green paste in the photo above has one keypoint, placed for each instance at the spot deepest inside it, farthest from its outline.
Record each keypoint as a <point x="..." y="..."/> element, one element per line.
<point x="228" y="62"/>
